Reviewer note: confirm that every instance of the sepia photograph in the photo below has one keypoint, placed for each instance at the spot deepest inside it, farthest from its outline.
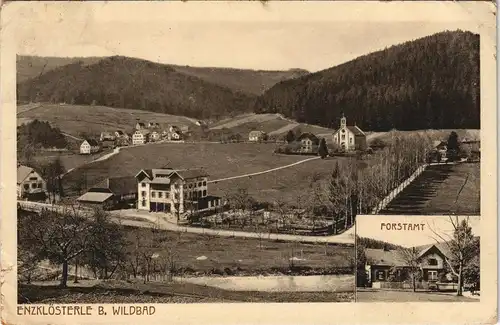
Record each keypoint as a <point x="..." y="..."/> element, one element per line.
<point x="263" y="157"/>
<point x="417" y="258"/>
<point x="218" y="183"/>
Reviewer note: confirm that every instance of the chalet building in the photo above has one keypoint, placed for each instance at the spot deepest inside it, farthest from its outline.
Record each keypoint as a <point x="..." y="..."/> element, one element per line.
<point x="256" y="136"/>
<point x="30" y="184"/>
<point x="119" y="134"/>
<point x="153" y="125"/>
<point x="308" y="143"/>
<point x="154" y="136"/>
<point x="384" y="265"/>
<point x="174" y="190"/>
<point x="112" y="193"/>
<point x="140" y="126"/>
<point x="140" y="137"/>
<point x="349" y="138"/>
<point x="89" y="146"/>
<point x="107" y="136"/>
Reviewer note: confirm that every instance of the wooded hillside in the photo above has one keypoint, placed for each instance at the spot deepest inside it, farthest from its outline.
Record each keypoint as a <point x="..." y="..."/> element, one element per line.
<point x="136" y="84"/>
<point x="432" y="82"/>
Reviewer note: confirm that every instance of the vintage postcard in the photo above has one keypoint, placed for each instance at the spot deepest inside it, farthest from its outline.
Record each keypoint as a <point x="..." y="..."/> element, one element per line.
<point x="248" y="162"/>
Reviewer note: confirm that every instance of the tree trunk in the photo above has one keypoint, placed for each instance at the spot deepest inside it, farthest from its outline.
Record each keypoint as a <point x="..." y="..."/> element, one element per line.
<point x="413" y="282"/>
<point x="64" y="275"/>
<point x="76" y="271"/>
<point x="460" y="280"/>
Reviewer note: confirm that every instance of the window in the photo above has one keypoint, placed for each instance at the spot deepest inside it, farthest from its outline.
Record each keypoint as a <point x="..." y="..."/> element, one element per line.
<point x="39" y="185"/>
<point x="160" y="194"/>
<point x="26" y="186"/>
<point x="432" y="275"/>
<point x="33" y="185"/>
<point x="380" y="275"/>
<point x="350" y="140"/>
<point x="143" y="184"/>
<point x="204" y="192"/>
<point x="143" y="203"/>
<point x="199" y="183"/>
<point x="33" y="178"/>
<point x="343" y="136"/>
<point x="153" y="194"/>
<point x="433" y="261"/>
<point x="199" y="194"/>
<point x="143" y="193"/>
<point x="176" y="196"/>
<point x="204" y="183"/>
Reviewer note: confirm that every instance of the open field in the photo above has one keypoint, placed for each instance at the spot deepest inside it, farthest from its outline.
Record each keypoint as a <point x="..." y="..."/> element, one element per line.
<point x="69" y="160"/>
<point x="286" y="185"/>
<point x="436" y="189"/>
<point x="75" y="119"/>
<point x="368" y="295"/>
<point x="158" y="292"/>
<point x="219" y="160"/>
<point x="248" y="256"/>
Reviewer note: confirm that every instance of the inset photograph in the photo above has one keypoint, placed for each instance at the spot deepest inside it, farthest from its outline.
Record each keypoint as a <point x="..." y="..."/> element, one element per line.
<point x="417" y="258"/>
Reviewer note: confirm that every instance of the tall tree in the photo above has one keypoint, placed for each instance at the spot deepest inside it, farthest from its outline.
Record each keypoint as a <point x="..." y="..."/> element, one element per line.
<point x="322" y="150"/>
<point x="410" y="257"/>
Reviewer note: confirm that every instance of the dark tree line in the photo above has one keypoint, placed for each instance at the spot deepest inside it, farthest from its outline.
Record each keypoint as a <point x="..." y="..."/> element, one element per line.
<point x="136" y="84"/>
<point x="432" y="82"/>
<point x="39" y="134"/>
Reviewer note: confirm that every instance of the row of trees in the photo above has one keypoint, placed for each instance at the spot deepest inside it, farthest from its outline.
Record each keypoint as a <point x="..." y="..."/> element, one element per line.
<point x="90" y="241"/>
<point x="37" y="135"/>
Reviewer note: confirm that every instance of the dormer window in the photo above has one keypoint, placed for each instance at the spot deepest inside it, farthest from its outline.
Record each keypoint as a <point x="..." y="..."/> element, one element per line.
<point x="432" y="261"/>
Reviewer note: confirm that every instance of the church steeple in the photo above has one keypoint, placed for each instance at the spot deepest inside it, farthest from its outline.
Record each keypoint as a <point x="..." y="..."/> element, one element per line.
<point x="343" y="121"/>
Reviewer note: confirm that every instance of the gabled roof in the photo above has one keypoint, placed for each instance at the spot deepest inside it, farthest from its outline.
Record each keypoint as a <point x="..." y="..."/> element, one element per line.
<point x="120" y="132"/>
<point x="23" y="172"/>
<point x="377" y="256"/>
<point x="441" y="247"/>
<point x="356" y="130"/>
<point x="308" y="136"/>
<point x="119" y="185"/>
<point x="141" y="124"/>
<point x="256" y="133"/>
<point x="143" y="131"/>
<point x="148" y="173"/>
<point x="92" y="142"/>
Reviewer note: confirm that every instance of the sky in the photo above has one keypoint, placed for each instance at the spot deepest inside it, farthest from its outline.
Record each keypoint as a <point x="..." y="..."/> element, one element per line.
<point x="370" y="226"/>
<point x="249" y="36"/>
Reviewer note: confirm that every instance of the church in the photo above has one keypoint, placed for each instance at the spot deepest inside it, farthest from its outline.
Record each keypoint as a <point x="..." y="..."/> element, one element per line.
<point x="349" y="137"/>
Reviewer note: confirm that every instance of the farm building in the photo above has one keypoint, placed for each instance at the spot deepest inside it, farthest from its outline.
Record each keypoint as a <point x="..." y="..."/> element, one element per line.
<point x="119" y="134"/>
<point x="256" y="136"/>
<point x="108" y="144"/>
<point x="89" y="146"/>
<point x="154" y="136"/>
<point x="107" y="136"/>
<point x="308" y="143"/>
<point x="30" y="184"/>
<point x="349" y="137"/>
<point x="140" y="126"/>
<point x="153" y="125"/>
<point x="173" y="190"/>
<point x="140" y="137"/>
<point x="114" y="192"/>
<point x="390" y="265"/>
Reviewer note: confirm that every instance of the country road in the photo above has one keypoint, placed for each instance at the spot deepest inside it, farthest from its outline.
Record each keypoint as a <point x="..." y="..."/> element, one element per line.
<point x="72" y="136"/>
<point x="264" y="171"/>
<point x="150" y="220"/>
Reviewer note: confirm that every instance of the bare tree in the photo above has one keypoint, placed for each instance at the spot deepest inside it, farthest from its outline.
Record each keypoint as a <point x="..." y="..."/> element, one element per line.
<point x="411" y="258"/>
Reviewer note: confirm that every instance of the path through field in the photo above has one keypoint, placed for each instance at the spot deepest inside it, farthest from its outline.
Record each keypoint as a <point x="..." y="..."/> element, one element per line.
<point x="263" y="172"/>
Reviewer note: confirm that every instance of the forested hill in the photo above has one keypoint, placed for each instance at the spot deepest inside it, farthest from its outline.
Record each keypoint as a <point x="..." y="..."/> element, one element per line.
<point x="432" y="82"/>
<point x="134" y="83"/>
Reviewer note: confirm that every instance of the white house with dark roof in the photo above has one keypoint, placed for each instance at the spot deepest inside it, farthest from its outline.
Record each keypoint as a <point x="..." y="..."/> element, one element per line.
<point x="140" y="137"/>
<point x="349" y="137"/>
<point x="174" y="190"/>
<point x="89" y="146"/>
<point x="30" y="184"/>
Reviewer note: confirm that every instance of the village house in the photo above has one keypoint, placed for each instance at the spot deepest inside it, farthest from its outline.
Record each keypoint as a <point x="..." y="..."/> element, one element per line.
<point x="153" y="125"/>
<point x="154" y="136"/>
<point x="389" y="265"/>
<point x="108" y="144"/>
<point x="140" y="126"/>
<point x="113" y="192"/>
<point x="349" y="137"/>
<point x="30" y="184"/>
<point x="120" y="134"/>
<point x="174" y="190"/>
<point x="256" y="136"/>
<point x="140" y="137"/>
<point x="89" y="146"/>
<point x="308" y="143"/>
<point x="107" y="136"/>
